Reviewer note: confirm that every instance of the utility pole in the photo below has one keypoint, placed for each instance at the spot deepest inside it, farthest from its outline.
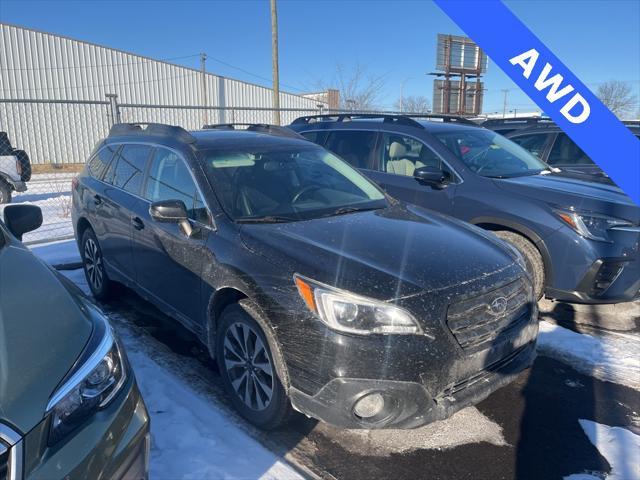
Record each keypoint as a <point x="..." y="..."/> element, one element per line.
<point x="203" y="75"/>
<point x="274" y="61"/>
<point x="504" y="104"/>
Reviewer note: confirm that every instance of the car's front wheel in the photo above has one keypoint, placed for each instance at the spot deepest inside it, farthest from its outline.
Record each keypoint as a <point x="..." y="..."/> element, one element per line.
<point x="93" y="264"/>
<point x="249" y="374"/>
<point x="532" y="259"/>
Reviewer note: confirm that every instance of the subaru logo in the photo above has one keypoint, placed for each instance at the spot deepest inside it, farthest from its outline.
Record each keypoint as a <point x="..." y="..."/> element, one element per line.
<point x="498" y="306"/>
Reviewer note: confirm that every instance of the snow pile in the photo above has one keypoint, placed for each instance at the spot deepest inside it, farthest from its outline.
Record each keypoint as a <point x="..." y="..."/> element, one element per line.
<point x="618" y="445"/>
<point x="613" y="359"/>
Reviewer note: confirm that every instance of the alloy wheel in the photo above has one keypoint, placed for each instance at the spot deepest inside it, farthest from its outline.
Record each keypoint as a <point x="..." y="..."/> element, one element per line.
<point x="93" y="264"/>
<point x="248" y="366"/>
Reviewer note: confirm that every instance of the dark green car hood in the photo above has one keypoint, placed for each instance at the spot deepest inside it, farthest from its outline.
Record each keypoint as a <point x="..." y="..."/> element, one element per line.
<point x="42" y="332"/>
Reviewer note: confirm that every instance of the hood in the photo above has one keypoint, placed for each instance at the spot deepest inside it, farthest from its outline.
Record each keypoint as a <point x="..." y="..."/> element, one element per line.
<point x="384" y="254"/>
<point x="42" y="332"/>
<point x="561" y="191"/>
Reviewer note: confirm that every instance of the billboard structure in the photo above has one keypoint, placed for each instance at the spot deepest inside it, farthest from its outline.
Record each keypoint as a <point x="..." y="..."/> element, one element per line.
<point x="458" y="89"/>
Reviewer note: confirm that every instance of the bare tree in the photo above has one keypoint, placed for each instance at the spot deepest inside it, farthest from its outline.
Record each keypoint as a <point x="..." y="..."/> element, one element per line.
<point x="413" y="104"/>
<point x="358" y="89"/>
<point x="617" y="96"/>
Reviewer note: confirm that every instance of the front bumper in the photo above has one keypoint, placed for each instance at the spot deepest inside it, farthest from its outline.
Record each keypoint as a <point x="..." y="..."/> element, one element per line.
<point x="588" y="271"/>
<point x="114" y="444"/>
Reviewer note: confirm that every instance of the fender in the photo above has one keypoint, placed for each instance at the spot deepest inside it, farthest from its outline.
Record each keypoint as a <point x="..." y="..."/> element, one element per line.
<point x="525" y="232"/>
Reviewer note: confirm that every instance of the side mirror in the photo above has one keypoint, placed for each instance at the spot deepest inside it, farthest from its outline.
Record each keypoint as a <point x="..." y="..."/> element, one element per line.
<point x="431" y="176"/>
<point x="21" y="219"/>
<point x="172" y="211"/>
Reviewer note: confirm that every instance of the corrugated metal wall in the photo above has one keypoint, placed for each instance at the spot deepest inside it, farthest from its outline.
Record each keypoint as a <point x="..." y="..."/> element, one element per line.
<point x="37" y="66"/>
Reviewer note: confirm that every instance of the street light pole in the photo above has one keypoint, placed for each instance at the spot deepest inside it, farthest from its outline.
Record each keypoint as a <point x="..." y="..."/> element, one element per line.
<point x="504" y="105"/>
<point x="203" y="79"/>
<point x="274" y="61"/>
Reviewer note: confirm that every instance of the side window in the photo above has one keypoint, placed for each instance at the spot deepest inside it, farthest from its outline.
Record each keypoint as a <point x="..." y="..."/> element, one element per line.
<point x="129" y="170"/>
<point x="315" y="137"/>
<point x="170" y="179"/>
<point x="401" y="155"/>
<point x="565" y="152"/>
<point x="97" y="165"/>
<point x="354" y="147"/>
<point x="533" y="143"/>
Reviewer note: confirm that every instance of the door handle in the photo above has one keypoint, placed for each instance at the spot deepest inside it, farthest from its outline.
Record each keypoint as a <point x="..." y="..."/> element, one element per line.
<point x="97" y="199"/>
<point x="138" y="224"/>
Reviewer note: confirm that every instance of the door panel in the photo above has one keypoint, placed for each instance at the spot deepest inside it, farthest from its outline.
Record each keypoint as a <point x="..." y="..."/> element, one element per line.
<point x="168" y="263"/>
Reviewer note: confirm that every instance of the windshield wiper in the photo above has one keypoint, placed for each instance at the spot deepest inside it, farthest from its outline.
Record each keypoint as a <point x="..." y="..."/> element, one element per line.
<point x="267" y="219"/>
<point x="345" y="210"/>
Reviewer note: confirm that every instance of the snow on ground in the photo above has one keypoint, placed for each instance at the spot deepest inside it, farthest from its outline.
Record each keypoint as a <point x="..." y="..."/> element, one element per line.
<point x="614" y="359"/>
<point x="618" y="445"/>
<point x="192" y="437"/>
<point x="52" y="193"/>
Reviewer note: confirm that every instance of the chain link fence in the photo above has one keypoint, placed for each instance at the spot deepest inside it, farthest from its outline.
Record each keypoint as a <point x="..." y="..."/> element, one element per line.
<point x="57" y="137"/>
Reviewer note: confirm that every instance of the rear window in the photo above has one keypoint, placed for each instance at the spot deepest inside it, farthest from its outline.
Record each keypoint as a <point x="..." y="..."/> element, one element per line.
<point x="355" y="147"/>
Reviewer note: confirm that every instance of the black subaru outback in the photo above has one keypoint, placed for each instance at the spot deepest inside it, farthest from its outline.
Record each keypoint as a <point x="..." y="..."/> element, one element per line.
<point x="310" y="286"/>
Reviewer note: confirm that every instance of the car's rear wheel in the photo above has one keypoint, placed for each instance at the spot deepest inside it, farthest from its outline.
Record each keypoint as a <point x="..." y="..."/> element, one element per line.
<point x="532" y="259"/>
<point x="249" y="373"/>
<point x="5" y="191"/>
<point x="93" y="264"/>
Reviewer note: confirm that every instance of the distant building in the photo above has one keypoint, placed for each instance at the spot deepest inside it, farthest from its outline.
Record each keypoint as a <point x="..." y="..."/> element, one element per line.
<point x="330" y="97"/>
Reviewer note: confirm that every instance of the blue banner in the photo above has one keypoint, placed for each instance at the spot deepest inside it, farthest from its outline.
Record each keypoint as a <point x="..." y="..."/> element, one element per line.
<point x="552" y="86"/>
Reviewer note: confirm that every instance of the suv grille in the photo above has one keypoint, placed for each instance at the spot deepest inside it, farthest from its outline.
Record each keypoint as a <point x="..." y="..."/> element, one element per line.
<point x="10" y="454"/>
<point x="480" y="320"/>
<point x="4" y="461"/>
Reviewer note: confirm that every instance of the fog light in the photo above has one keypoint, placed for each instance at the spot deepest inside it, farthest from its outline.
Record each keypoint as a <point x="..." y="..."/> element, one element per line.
<point x="369" y="405"/>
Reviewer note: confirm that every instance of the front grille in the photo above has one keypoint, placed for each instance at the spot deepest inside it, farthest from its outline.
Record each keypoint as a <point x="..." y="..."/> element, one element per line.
<point x="4" y="461"/>
<point x="480" y="320"/>
<point x="10" y="454"/>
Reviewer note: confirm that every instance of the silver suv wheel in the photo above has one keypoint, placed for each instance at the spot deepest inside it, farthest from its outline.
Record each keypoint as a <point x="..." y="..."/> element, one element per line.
<point x="248" y="366"/>
<point x="93" y="264"/>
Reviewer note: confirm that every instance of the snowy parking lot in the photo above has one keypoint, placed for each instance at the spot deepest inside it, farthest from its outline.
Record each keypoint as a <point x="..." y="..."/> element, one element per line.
<point x="575" y="414"/>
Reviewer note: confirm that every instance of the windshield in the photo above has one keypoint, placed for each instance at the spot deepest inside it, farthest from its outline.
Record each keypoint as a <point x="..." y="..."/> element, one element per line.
<point x="491" y="155"/>
<point x="287" y="183"/>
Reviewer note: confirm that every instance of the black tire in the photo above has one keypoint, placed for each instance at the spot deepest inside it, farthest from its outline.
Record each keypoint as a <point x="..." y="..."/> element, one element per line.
<point x="25" y="164"/>
<point x="238" y="364"/>
<point x="5" y="191"/>
<point x="532" y="259"/>
<point x="93" y="264"/>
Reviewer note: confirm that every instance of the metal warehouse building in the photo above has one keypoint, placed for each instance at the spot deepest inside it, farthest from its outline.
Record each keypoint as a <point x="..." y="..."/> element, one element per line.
<point x="59" y="96"/>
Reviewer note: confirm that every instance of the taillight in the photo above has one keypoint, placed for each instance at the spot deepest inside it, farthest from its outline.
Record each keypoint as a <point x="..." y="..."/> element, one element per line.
<point x="74" y="183"/>
<point x="19" y="167"/>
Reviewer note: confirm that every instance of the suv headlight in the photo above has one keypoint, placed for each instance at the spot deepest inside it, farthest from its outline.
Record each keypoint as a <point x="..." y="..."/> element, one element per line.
<point x="99" y="376"/>
<point x="347" y="312"/>
<point x="591" y="225"/>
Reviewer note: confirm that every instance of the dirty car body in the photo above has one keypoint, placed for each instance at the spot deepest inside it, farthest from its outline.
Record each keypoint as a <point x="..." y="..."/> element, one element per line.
<point x="69" y="404"/>
<point x="355" y="294"/>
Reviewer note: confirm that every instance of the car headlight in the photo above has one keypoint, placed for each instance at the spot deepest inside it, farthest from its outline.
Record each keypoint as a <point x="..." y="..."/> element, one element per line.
<point x="591" y="225"/>
<point x="347" y="312"/>
<point x="100" y="374"/>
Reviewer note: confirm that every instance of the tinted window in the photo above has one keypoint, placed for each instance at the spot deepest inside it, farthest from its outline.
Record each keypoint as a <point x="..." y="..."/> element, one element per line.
<point x="534" y="142"/>
<point x="129" y="170"/>
<point x="314" y="137"/>
<point x="402" y="155"/>
<point x="565" y="152"/>
<point x="97" y="164"/>
<point x="287" y="183"/>
<point x="354" y="147"/>
<point x="170" y="179"/>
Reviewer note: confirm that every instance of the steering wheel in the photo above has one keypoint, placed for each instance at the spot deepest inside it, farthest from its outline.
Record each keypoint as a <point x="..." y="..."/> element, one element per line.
<point x="303" y="190"/>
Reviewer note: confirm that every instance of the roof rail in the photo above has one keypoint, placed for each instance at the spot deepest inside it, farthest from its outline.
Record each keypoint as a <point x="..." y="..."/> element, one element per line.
<point x="517" y="121"/>
<point x="159" y="129"/>
<point x="348" y="117"/>
<point x="256" y="127"/>
<point x="446" y="118"/>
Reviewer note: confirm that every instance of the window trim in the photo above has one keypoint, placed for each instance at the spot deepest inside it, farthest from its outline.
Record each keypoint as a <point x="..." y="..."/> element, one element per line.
<point x="211" y="226"/>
